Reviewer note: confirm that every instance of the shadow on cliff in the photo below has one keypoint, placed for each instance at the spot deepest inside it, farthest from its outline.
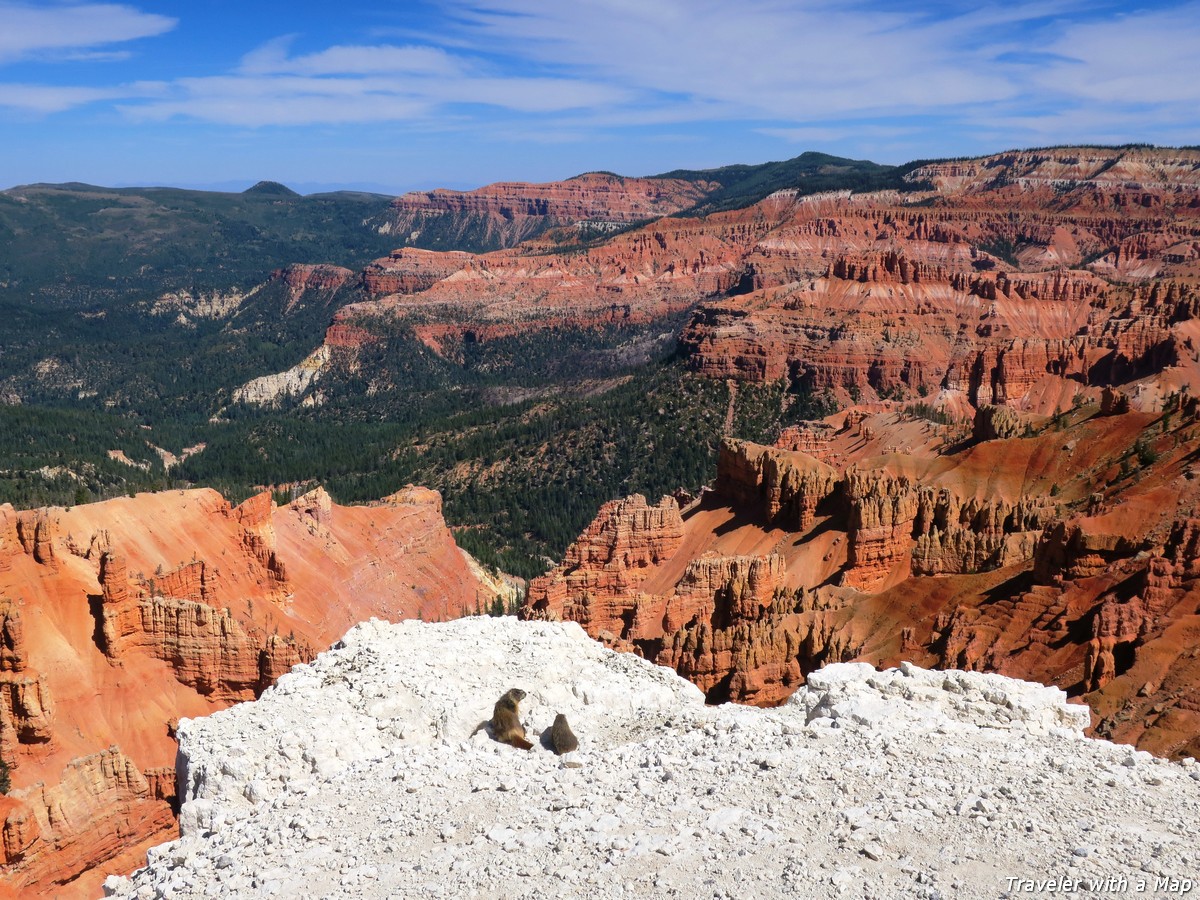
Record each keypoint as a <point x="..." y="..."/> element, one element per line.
<point x="96" y="608"/>
<point x="827" y="524"/>
<point x="708" y="501"/>
<point x="1010" y="589"/>
<point x="742" y="517"/>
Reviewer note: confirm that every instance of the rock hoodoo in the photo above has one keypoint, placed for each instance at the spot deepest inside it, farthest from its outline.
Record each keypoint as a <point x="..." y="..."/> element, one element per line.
<point x="1002" y="287"/>
<point x="995" y="556"/>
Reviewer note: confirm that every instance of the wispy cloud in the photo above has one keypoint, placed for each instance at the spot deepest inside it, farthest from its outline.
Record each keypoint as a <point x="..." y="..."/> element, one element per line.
<point x="819" y="67"/>
<point x="30" y="31"/>
<point x="43" y="99"/>
<point x="1133" y="58"/>
<point x="272" y="59"/>
<point x="812" y="134"/>
<point x="346" y="84"/>
<point x="762" y="58"/>
<point x="851" y="73"/>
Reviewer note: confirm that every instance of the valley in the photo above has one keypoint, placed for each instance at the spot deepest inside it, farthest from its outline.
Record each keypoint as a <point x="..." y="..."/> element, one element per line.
<point x="743" y="422"/>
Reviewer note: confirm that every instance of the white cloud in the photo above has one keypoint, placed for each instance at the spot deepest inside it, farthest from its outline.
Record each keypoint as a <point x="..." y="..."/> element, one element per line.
<point x="272" y="58"/>
<point x="44" y="99"/>
<point x="846" y="71"/>
<point x="809" y="134"/>
<point x="1135" y="58"/>
<point x="1171" y="124"/>
<point x="768" y="58"/>
<point x="346" y="84"/>
<point x="820" y="70"/>
<point x="32" y="30"/>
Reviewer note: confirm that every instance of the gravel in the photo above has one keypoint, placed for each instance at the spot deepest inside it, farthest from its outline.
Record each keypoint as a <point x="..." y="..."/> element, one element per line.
<point x="358" y="776"/>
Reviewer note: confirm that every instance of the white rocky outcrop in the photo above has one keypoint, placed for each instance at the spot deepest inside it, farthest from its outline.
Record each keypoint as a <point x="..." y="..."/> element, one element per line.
<point x="270" y="389"/>
<point x="358" y="776"/>
<point x="185" y="305"/>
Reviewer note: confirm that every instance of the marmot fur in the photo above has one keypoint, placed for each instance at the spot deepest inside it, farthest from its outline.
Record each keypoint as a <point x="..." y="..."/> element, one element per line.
<point x="506" y="724"/>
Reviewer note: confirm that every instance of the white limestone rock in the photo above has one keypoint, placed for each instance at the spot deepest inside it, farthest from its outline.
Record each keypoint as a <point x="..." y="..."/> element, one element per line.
<point x="931" y="699"/>
<point x="358" y="776"/>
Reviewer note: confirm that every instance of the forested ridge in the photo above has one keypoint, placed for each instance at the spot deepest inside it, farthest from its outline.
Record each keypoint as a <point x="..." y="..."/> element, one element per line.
<point x="133" y="315"/>
<point x="519" y="480"/>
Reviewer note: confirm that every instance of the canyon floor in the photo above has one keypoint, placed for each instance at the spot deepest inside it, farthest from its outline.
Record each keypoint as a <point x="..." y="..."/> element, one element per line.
<point x="359" y="776"/>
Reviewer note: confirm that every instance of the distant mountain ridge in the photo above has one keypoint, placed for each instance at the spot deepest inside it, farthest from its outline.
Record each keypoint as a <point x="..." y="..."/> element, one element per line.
<point x="503" y="214"/>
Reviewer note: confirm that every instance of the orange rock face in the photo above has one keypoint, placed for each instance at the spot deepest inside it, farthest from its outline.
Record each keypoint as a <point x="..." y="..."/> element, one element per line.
<point x="633" y="278"/>
<point x="597" y="584"/>
<point x="786" y="487"/>
<point x="507" y="213"/>
<point x="999" y="284"/>
<point x="924" y="545"/>
<point x="118" y="618"/>
<point x="100" y="806"/>
<point x="1016" y="280"/>
<point x="301" y="278"/>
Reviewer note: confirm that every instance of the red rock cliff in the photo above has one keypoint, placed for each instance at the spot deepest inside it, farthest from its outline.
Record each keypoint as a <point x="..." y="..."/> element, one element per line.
<point x="1055" y="554"/>
<point x="503" y="214"/>
<point x="118" y="618"/>
<point x="1018" y="278"/>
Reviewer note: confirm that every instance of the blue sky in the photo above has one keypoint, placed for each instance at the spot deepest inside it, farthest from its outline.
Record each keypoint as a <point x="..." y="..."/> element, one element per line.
<point x="402" y="95"/>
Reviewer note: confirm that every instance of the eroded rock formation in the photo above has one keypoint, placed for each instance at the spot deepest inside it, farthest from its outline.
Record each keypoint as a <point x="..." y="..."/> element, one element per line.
<point x="784" y="488"/>
<point x="1018" y="280"/>
<point x="303" y="278"/>
<point x="101" y="808"/>
<point x="503" y="214"/>
<point x="1060" y="553"/>
<point x="26" y="704"/>
<point x="118" y="618"/>
<point x="597" y="584"/>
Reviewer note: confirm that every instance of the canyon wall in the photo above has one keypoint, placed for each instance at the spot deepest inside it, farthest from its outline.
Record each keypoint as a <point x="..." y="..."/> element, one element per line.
<point x="1018" y="279"/>
<point x="1004" y="491"/>
<point x="1065" y="553"/>
<point x="118" y="618"/>
<point x="504" y="214"/>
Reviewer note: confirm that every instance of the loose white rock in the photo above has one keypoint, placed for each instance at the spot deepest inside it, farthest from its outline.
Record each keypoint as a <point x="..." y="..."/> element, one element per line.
<point x="358" y="777"/>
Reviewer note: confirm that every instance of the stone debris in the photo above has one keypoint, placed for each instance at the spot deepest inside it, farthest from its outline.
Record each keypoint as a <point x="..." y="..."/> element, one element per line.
<point x="357" y="777"/>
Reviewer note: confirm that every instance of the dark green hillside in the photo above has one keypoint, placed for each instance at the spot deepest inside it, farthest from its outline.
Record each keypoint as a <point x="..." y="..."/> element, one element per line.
<point x="810" y="173"/>
<point x="271" y="188"/>
<point x="123" y="358"/>
<point x="81" y="269"/>
<point x="75" y="245"/>
<point x="60" y="456"/>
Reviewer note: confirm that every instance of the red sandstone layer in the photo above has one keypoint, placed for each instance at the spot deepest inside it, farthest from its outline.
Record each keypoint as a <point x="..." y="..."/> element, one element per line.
<point x="1018" y="277"/>
<point x="1064" y="555"/>
<point x="507" y="212"/>
<point x="118" y="618"/>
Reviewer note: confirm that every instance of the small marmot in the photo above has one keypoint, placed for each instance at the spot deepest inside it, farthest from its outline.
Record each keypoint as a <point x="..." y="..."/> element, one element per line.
<point x="506" y="721"/>
<point x="562" y="739"/>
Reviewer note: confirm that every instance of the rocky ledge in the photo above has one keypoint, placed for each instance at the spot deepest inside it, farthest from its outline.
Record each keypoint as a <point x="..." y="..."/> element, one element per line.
<point x="358" y="776"/>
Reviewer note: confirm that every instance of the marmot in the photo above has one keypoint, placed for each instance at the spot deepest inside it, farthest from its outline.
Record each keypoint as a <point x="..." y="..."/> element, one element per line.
<point x="506" y="721"/>
<point x="562" y="739"/>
